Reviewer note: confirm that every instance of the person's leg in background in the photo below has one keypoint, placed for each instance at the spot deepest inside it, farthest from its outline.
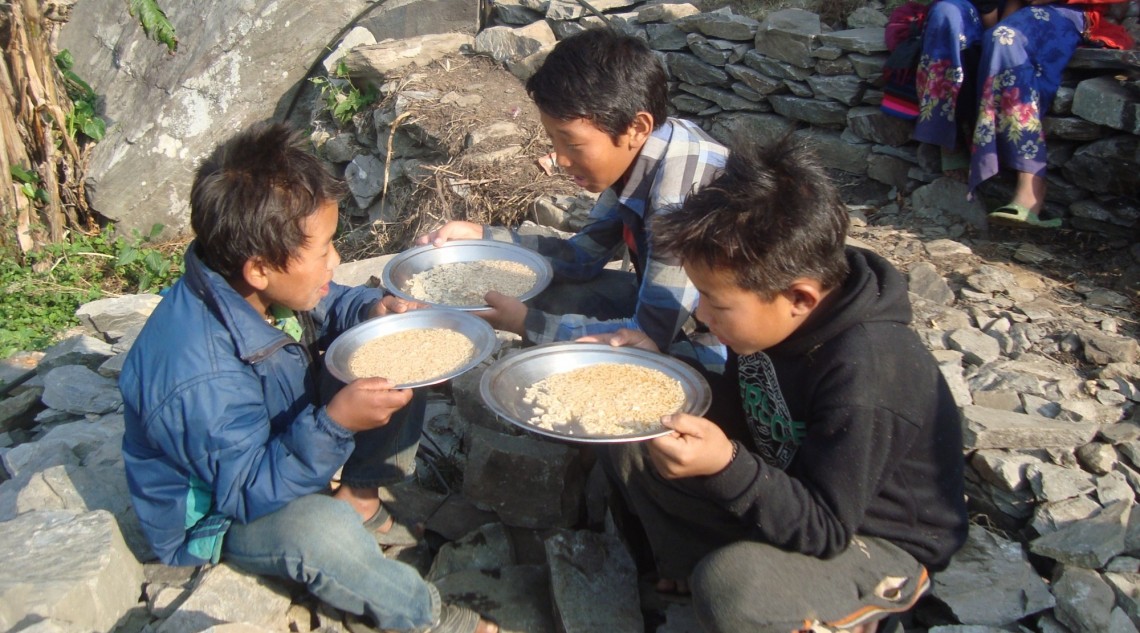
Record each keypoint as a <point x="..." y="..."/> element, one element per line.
<point x="952" y="28"/>
<point x="1019" y="73"/>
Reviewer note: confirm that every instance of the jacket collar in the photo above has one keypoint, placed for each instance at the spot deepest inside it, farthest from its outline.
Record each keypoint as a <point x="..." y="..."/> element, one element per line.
<point x="635" y="192"/>
<point x="253" y="338"/>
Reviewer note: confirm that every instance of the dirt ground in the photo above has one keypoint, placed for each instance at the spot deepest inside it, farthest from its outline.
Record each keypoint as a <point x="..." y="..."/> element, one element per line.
<point x="503" y="193"/>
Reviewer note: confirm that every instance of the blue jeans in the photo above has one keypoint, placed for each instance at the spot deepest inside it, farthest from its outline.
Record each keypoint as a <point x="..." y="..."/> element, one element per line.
<point x="320" y="542"/>
<point x="387" y="455"/>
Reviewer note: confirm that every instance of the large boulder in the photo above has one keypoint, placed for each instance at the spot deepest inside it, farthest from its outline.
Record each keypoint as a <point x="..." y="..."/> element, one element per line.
<point x="237" y="63"/>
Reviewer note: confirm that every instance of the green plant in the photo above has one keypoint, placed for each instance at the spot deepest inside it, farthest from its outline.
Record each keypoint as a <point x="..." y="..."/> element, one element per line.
<point x="82" y="117"/>
<point x="39" y="296"/>
<point x="29" y="184"/>
<point x="154" y="22"/>
<point x="342" y="98"/>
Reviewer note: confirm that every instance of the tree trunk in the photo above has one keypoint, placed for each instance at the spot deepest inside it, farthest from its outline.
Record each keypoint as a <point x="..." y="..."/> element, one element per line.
<point x="33" y="107"/>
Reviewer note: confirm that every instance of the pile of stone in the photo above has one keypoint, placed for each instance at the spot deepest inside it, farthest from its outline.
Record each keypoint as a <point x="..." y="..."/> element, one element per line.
<point x="743" y="78"/>
<point x="1046" y="381"/>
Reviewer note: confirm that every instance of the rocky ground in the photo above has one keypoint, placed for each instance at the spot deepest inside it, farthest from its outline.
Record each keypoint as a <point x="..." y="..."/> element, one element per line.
<point x="1036" y="333"/>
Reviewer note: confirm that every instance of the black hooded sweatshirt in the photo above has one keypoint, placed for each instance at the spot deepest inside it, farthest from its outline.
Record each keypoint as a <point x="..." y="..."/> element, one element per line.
<point x="850" y="429"/>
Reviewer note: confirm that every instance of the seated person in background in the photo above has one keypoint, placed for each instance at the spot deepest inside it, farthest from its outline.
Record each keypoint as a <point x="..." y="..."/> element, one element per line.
<point x="228" y="445"/>
<point x="1006" y="91"/>
<point x="602" y="96"/>
<point x="827" y="480"/>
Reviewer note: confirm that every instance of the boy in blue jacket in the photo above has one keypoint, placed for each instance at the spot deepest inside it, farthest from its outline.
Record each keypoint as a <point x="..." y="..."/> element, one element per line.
<point x="228" y="445"/>
<point x="602" y="98"/>
<point x="826" y="480"/>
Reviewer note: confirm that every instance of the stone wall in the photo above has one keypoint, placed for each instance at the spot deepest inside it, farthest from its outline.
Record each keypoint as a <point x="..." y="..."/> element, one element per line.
<point x="791" y="73"/>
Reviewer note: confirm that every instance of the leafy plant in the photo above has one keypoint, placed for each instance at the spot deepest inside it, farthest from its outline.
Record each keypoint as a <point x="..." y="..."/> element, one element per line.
<point x="82" y="117"/>
<point x="342" y="98"/>
<point x="39" y="297"/>
<point x="29" y="184"/>
<point x="154" y="22"/>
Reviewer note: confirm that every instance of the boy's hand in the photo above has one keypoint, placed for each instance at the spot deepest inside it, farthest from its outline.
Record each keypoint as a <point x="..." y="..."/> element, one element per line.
<point x="391" y="304"/>
<point x="507" y="313"/>
<point x="367" y="403"/>
<point x="624" y="337"/>
<point x="454" y="230"/>
<point x="696" y="447"/>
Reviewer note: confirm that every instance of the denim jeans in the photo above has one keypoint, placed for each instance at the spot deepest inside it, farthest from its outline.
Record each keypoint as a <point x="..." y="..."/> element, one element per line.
<point x="320" y="542"/>
<point x="387" y="455"/>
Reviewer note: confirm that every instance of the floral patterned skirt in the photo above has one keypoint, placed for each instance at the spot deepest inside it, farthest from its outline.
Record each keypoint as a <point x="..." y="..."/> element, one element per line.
<point x="953" y="28"/>
<point x="1019" y="72"/>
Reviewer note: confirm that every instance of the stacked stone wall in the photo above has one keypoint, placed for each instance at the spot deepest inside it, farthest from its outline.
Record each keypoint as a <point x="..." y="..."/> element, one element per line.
<point x="790" y="73"/>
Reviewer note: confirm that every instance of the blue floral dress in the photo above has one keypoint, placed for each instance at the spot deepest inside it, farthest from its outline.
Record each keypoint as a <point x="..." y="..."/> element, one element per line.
<point x="1018" y="73"/>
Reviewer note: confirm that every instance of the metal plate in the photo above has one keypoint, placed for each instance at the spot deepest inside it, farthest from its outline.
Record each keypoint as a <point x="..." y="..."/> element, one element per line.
<point x="478" y="331"/>
<point x="399" y="270"/>
<point x="504" y="384"/>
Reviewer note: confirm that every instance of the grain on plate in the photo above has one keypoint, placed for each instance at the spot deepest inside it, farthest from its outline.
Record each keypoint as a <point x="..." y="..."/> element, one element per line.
<point x="464" y="284"/>
<point x="412" y="356"/>
<point x="604" y="399"/>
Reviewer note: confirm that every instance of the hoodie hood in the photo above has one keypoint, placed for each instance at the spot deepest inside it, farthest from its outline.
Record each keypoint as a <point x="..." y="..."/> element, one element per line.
<point x="874" y="291"/>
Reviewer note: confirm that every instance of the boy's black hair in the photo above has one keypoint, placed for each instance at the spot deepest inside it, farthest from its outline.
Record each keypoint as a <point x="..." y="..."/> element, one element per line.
<point x="604" y="77"/>
<point x="771" y="216"/>
<point x="251" y="196"/>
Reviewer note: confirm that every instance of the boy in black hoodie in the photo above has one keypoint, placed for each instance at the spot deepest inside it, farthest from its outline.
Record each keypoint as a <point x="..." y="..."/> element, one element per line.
<point x="827" y="480"/>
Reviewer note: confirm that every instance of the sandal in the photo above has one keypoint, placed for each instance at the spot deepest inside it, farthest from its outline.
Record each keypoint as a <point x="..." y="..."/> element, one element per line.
<point x="398" y="534"/>
<point x="1019" y="215"/>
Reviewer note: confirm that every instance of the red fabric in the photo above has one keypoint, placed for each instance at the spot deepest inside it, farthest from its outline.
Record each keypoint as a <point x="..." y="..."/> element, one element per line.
<point x="1104" y="32"/>
<point x="906" y="20"/>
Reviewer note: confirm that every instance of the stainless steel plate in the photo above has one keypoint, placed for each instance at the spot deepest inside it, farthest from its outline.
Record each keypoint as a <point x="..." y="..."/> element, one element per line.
<point x="478" y="331"/>
<point x="399" y="270"/>
<point x="504" y="384"/>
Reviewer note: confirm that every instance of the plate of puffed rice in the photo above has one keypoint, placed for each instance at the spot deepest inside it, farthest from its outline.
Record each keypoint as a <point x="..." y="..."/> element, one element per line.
<point x="459" y="273"/>
<point x="592" y="392"/>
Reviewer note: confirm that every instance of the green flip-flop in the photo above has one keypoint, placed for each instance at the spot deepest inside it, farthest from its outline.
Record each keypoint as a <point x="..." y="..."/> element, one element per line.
<point x="1019" y="215"/>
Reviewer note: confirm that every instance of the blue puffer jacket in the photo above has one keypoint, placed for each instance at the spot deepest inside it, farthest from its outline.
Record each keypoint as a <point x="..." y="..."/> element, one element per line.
<point x="221" y="416"/>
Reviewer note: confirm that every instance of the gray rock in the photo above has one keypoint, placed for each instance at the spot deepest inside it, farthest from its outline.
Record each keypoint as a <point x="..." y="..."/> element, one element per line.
<point x="765" y="129"/>
<point x="991" y="428"/>
<point x="1106" y="101"/>
<point x="76" y="389"/>
<point x="866" y="17"/>
<point x="1097" y="457"/>
<point x="833" y="151"/>
<point x="1084" y="600"/>
<point x="666" y="37"/>
<point x="725" y="99"/>
<point x="114" y="315"/>
<point x="1008" y="471"/>
<point x="517" y="597"/>
<point x="822" y="113"/>
<point x="947" y="197"/>
<point x="687" y="68"/>
<point x="365" y="178"/>
<point x="976" y="346"/>
<point x="1103" y="349"/>
<point x="78" y="443"/>
<point x="1126" y="587"/>
<point x="593" y="581"/>
<point x="990" y="582"/>
<point x="789" y="36"/>
<point x="866" y="41"/>
<point x="723" y="25"/>
<point x="505" y="43"/>
<point x="1090" y="543"/>
<point x="870" y="123"/>
<point x="225" y="594"/>
<point x="1055" y="483"/>
<point x="487" y="549"/>
<point x="569" y="10"/>
<point x="80" y="350"/>
<point x="1113" y="487"/>
<point x="16" y="412"/>
<point x="1109" y="165"/>
<point x="1053" y="515"/>
<point x="374" y="63"/>
<point x="776" y="68"/>
<point x="166" y="111"/>
<point x="845" y="89"/>
<point x="73" y="569"/>
<point x="666" y="12"/>
<point x="868" y="66"/>
<point x="527" y="482"/>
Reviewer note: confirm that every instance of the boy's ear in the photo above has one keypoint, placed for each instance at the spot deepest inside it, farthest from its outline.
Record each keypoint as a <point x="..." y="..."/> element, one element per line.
<point x="255" y="272"/>
<point x="805" y="295"/>
<point x="640" y="128"/>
